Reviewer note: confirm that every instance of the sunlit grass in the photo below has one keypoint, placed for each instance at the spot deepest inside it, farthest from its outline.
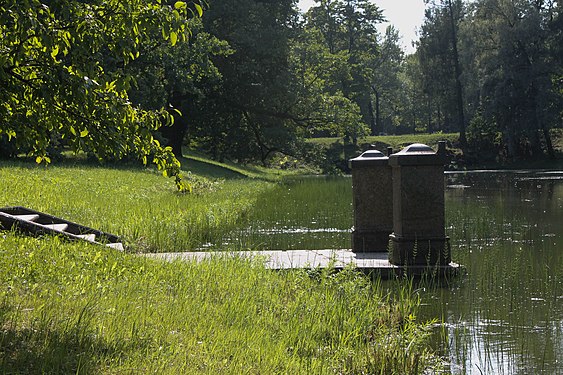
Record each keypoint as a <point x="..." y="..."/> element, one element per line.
<point x="397" y="142"/>
<point x="140" y="205"/>
<point x="77" y="308"/>
<point x="72" y="307"/>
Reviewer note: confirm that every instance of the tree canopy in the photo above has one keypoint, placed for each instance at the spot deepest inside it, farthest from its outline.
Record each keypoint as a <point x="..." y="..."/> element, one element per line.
<point x="251" y="80"/>
<point x="64" y="79"/>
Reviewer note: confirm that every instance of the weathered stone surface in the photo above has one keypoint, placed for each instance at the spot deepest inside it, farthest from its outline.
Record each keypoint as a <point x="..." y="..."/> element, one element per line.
<point x="418" y="208"/>
<point x="373" y="202"/>
<point x="370" y="262"/>
<point x="370" y="240"/>
<point x="419" y="201"/>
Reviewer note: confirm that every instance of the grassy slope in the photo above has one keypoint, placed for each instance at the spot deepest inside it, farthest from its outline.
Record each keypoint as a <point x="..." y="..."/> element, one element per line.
<point x="138" y="204"/>
<point x="397" y="142"/>
<point x="78" y="308"/>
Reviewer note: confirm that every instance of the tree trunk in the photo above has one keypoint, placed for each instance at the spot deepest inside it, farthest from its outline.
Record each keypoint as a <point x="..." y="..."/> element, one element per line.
<point x="548" y="143"/>
<point x="429" y="117"/>
<point x="378" y="111"/>
<point x="378" y="124"/>
<point x="175" y="133"/>
<point x="372" y="121"/>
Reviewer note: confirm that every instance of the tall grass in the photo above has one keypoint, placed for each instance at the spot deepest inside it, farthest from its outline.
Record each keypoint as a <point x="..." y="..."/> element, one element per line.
<point x="76" y="308"/>
<point x="139" y="205"/>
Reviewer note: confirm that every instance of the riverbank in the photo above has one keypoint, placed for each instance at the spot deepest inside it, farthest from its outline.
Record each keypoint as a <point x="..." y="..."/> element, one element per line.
<point x="77" y="308"/>
<point x="336" y="154"/>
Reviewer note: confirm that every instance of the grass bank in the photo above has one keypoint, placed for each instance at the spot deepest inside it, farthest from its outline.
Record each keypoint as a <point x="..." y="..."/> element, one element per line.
<point x="483" y="157"/>
<point x="137" y="204"/>
<point x="77" y="308"/>
<point x="397" y="142"/>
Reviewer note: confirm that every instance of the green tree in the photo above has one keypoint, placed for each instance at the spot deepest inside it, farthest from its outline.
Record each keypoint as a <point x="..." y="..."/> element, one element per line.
<point x="322" y="108"/>
<point x="178" y="78"/>
<point x="518" y="66"/>
<point x="386" y="81"/>
<point x="349" y="31"/>
<point x="439" y="56"/>
<point x="62" y="75"/>
<point x="417" y="111"/>
<point x="250" y="114"/>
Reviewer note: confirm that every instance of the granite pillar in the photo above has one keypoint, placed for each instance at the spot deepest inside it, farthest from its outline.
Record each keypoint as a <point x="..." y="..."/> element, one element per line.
<point x="373" y="202"/>
<point x="418" y="237"/>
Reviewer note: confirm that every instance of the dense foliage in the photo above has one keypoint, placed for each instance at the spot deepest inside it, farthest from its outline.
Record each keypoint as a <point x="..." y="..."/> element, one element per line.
<point x="63" y="78"/>
<point x="495" y="67"/>
<point x="490" y="70"/>
<point x="253" y="79"/>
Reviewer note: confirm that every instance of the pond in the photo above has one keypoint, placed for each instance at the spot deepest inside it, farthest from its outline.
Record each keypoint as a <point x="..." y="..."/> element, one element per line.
<point x="506" y="315"/>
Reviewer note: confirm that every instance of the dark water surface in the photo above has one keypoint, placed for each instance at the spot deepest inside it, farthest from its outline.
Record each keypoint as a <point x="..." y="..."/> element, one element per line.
<point x="506" y="315"/>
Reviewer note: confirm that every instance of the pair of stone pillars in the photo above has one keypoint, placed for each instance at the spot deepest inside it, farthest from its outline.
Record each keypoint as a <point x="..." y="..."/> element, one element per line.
<point x="399" y="205"/>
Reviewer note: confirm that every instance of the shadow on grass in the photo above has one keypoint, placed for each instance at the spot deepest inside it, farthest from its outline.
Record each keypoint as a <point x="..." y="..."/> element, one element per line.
<point x="199" y="166"/>
<point x="32" y="352"/>
<point x="71" y="162"/>
<point x="209" y="170"/>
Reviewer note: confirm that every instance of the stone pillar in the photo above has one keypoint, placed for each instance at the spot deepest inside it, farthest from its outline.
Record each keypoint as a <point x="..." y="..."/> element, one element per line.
<point x="418" y="237"/>
<point x="373" y="202"/>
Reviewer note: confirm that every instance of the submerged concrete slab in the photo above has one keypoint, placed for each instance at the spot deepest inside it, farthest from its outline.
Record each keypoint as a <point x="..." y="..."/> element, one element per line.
<point x="369" y="262"/>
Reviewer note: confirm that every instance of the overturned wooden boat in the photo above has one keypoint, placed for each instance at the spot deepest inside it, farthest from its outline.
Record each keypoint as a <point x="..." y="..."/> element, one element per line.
<point x="37" y="223"/>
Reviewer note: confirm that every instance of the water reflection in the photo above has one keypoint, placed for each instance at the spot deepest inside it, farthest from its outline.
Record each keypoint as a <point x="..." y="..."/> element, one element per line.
<point x="506" y="316"/>
<point x="506" y="228"/>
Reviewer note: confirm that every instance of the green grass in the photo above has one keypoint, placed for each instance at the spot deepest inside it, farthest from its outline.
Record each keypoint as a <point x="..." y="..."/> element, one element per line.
<point x="199" y="164"/>
<point x="397" y="142"/>
<point x="75" y="308"/>
<point x="78" y="308"/>
<point x="138" y="204"/>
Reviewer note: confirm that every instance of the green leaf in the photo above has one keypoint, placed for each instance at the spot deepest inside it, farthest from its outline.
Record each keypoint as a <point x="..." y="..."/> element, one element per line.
<point x="55" y="51"/>
<point x="72" y="130"/>
<point x="173" y="38"/>
<point x="180" y="5"/>
<point x="83" y="133"/>
<point x="199" y="9"/>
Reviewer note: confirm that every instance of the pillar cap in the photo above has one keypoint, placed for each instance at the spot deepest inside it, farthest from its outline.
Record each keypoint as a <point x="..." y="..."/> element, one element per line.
<point x="369" y="158"/>
<point x="417" y="154"/>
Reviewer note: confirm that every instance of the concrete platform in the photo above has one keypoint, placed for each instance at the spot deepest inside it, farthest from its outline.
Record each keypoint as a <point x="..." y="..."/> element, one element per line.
<point x="375" y="263"/>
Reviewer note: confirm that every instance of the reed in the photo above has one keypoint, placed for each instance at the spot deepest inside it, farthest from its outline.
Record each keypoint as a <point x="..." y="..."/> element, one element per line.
<point x="505" y="316"/>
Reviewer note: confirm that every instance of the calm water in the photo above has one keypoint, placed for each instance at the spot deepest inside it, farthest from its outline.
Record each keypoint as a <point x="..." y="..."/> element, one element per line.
<point x="506" y="315"/>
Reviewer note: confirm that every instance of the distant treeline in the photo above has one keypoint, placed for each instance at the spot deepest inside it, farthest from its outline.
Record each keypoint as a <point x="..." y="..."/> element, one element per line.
<point x="253" y="79"/>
